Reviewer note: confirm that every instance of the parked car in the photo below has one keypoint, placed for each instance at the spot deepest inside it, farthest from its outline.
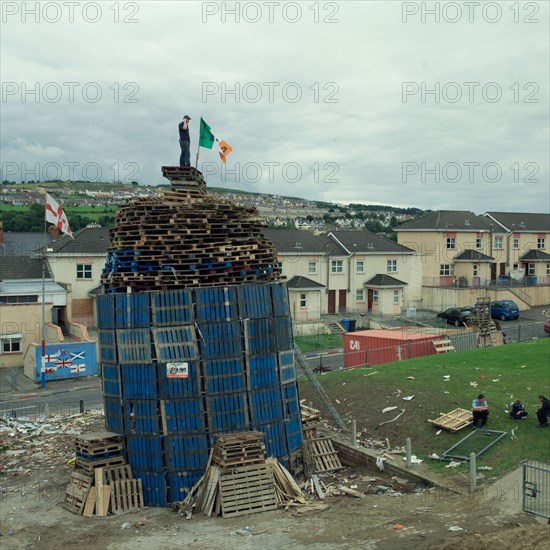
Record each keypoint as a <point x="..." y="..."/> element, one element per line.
<point x="547" y="326"/>
<point x="504" y="310"/>
<point x="455" y="316"/>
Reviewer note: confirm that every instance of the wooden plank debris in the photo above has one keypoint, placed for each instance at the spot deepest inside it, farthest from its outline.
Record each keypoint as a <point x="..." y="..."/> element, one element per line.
<point x="443" y="346"/>
<point x="454" y="420"/>
<point x="76" y="494"/>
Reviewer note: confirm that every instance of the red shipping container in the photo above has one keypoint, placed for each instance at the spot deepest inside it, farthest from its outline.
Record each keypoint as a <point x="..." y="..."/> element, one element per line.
<point x="376" y="347"/>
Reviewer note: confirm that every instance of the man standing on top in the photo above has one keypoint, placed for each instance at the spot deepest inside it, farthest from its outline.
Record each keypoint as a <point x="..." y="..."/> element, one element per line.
<point x="185" y="141"/>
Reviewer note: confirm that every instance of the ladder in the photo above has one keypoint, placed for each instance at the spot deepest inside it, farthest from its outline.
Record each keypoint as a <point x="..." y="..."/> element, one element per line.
<point x="311" y="376"/>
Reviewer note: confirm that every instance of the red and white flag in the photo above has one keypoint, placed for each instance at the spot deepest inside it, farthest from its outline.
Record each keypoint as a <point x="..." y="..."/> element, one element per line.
<point x="55" y="215"/>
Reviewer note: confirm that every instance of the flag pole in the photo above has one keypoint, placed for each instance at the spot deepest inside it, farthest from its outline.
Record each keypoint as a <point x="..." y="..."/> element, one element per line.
<point x="43" y="359"/>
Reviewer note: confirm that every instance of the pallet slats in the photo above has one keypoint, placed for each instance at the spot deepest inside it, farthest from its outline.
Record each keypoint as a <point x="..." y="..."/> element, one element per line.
<point x="454" y="420"/>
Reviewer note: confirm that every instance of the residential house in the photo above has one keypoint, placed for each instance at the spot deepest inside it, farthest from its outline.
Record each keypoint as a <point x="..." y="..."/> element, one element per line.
<point x="342" y="272"/>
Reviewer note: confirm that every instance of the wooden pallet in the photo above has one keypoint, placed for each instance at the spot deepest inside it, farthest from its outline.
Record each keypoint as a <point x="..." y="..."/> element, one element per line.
<point x="77" y="491"/>
<point x="89" y="466"/>
<point x="443" y="346"/>
<point x="126" y="496"/>
<point x="454" y="420"/>
<point x="247" y="490"/>
<point x="325" y="457"/>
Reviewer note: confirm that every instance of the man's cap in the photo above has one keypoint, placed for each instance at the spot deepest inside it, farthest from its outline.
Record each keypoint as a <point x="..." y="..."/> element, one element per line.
<point x="187" y="117"/>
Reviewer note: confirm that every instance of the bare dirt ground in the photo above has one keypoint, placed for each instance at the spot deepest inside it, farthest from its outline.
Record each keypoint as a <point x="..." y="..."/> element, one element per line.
<point x="35" y="473"/>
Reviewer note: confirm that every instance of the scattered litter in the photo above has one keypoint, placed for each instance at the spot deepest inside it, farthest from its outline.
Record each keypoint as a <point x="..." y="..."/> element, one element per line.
<point x="496" y="379"/>
<point x="473" y="384"/>
<point x="445" y="392"/>
<point x="434" y="456"/>
<point x="523" y="366"/>
<point x="485" y="468"/>
<point x="528" y="388"/>
<point x="397" y="527"/>
<point x="482" y="376"/>
<point x="411" y="378"/>
<point x="354" y="486"/>
<point x="371" y="373"/>
<point x="455" y="528"/>
<point x="337" y="401"/>
<point x="414" y="459"/>
<point x="243" y="531"/>
<point x="388" y="409"/>
<point x="447" y="376"/>
<point x="438" y="432"/>
<point x="408" y="398"/>
<point x="380" y="463"/>
<point x="453" y="464"/>
<point x="126" y="525"/>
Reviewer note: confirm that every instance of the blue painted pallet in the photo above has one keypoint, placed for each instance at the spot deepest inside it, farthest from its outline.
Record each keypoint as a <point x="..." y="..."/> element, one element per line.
<point x="216" y="304"/>
<point x="110" y="375"/>
<point x="220" y="340"/>
<point x="282" y="327"/>
<point x="279" y="293"/>
<point x="181" y="483"/>
<point x="266" y="405"/>
<point x="255" y="301"/>
<point x="227" y="413"/>
<point x="175" y="344"/>
<point x="145" y="452"/>
<point x="259" y="336"/>
<point x="262" y="371"/>
<point x="186" y="452"/>
<point x="105" y="312"/>
<point x="223" y="376"/>
<point x="107" y="346"/>
<point x="170" y="388"/>
<point x="275" y="438"/>
<point x="133" y="310"/>
<point x="172" y="307"/>
<point x="181" y="416"/>
<point x="141" y="416"/>
<point x="139" y="381"/>
<point x="294" y="434"/>
<point x="134" y="346"/>
<point x="114" y="418"/>
<point x="154" y="487"/>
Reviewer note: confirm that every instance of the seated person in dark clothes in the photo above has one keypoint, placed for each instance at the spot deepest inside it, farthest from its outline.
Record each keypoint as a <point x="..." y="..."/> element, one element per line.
<point x="544" y="412"/>
<point x="480" y="411"/>
<point x="518" y="410"/>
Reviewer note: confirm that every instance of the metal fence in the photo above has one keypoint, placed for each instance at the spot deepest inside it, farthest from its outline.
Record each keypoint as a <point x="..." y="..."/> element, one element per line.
<point x="536" y="489"/>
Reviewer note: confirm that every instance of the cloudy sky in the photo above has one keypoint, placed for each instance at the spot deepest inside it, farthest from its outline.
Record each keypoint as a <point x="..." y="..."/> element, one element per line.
<point x="349" y="101"/>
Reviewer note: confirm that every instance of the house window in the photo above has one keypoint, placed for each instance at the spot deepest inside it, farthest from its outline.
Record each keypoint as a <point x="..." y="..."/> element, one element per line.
<point x="360" y="266"/>
<point x="479" y="243"/>
<point x="303" y="300"/>
<point x="360" y="295"/>
<point x="475" y="270"/>
<point x="391" y="266"/>
<point x="516" y="242"/>
<point x="515" y="266"/>
<point x="83" y="271"/>
<point x="451" y="242"/>
<point x="375" y="296"/>
<point x="10" y="343"/>
<point x="312" y="267"/>
<point x="396" y="296"/>
<point x="530" y="269"/>
<point x="19" y="299"/>
<point x="540" y="243"/>
<point x="446" y="269"/>
<point x="336" y="266"/>
<point x="498" y="243"/>
<point x="280" y="266"/>
<point x="547" y="269"/>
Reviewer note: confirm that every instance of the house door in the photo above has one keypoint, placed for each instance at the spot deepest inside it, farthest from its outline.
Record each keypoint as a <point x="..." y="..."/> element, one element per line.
<point x="502" y="269"/>
<point x="342" y="301"/>
<point x="332" y="301"/>
<point x="493" y="272"/>
<point x="370" y="293"/>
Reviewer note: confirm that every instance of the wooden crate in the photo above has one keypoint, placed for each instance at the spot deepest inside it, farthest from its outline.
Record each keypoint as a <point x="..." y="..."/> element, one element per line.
<point x="454" y="420"/>
<point x="443" y="346"/>
<point x="88" y="466"/>
<point x="77" y="492"/>
<point x="325" y="457"/>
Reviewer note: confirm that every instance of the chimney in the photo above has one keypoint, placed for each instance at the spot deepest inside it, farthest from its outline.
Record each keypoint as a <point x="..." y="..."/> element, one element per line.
<point x="54" y="232"/>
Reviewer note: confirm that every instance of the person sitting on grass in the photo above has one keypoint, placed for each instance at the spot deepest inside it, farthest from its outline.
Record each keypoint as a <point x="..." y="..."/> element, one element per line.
<point x="518" y="410"/>
<point x="480" y="411"/>
<point x="544" y="412"/>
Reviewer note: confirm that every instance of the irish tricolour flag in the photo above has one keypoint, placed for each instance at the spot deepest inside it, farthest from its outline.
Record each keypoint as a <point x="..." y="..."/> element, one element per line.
<point x="207" y="140"/>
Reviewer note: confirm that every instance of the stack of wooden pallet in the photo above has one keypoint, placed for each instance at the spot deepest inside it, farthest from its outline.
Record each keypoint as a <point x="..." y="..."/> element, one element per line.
<point x="188" y="237"/>
<point x="102" y="482"/>
<point x="310" y="419"/>
<point x="239" y="480"/>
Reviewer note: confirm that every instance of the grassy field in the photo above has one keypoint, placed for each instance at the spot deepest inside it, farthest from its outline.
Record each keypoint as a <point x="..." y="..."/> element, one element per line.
<point x="503" y="374"/>
<point x="318" y="342"/>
